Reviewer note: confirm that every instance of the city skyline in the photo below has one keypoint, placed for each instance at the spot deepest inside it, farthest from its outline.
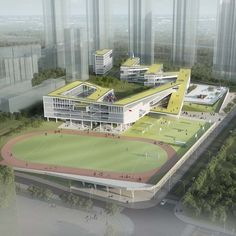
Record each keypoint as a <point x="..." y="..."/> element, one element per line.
<point x="161" y="7"/>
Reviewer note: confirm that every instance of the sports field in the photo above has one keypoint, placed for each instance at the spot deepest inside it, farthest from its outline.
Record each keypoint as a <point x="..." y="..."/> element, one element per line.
<point x="168" y="129"/>
<point x="88" y="152"/>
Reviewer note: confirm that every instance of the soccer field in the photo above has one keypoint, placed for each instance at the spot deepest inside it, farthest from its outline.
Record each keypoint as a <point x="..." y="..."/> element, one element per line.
<point x="88" y="152"/>
<point x="167" y="129"/>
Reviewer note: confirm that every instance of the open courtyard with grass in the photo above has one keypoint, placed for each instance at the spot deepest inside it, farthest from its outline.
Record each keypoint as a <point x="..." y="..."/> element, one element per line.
<point x="88" y="152"/>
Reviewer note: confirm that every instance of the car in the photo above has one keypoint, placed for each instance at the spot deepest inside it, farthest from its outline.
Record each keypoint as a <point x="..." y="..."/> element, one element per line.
<point x="163" y="202"/>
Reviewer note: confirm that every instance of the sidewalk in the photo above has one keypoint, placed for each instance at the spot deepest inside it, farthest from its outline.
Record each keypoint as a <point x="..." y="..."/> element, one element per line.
<point x="179" y="213"/>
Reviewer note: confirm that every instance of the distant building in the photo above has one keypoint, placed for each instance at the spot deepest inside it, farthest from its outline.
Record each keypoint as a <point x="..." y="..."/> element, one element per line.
<point x="103" y="61"/>
<point x="20" y="96"/>
<point x="55" y="14"/>
<point x="132" y="71"/>
<point x="141" y="36"/>
<point x="184" y="32"/>
<point x="18" y="63"/>
<point x="76" y="54"/>
<point x="154" y="75"/>
<point x="98" y="28"/>
<point x="225" y="45"/>
<point x="148" y="75"/>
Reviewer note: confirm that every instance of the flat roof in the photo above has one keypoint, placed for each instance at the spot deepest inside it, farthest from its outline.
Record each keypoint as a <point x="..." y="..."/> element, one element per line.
<point x="154" y="69"/>
<point x="131" y="62"/>
<point x="95" y="96"/>
<point x="102" y="52"/>
<point x="174" y="105"/>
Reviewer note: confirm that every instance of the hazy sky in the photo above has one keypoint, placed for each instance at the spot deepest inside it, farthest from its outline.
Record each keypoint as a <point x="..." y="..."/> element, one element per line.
<point x="34" y="7"/>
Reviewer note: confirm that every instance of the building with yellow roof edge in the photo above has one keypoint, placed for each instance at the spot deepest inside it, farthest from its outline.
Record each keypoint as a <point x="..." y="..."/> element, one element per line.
<point x="148" y="75"/>
<point x="103" y="61"/>
<point x="89" y="105"/>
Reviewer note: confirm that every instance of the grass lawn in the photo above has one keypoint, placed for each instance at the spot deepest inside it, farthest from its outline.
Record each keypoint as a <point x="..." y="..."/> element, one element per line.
<point x="5" y="137"/>
<point x="7" y="126"/>
<point x="122" y="89"/>
<point x="167" y="129"/>
<point x="103" y="154"/>
<point x="179" y="133"/>
<point x="203" y="108"/>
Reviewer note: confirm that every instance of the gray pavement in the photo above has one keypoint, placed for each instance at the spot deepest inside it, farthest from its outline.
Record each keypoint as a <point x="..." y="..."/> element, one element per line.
<point x="38" y="218"/>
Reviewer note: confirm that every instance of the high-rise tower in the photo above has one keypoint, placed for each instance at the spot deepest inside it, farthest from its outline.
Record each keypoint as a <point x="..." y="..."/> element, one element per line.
<point x="98" y="26"/>
<point x="55" y="20"/>
<point x="184" y="32"/>
<point x="141" y="37"/>
<point x="225" y="45"/>
<point x="76" y="54"/>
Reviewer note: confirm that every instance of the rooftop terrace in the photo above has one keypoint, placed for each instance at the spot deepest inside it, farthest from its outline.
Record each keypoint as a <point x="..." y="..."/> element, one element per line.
<point x="154" y="69"/>
<point x="145" y="94"/>
<point x="177" y="98"/>
<point x="95" y="96"/>
<point x="131" y="62"/>
<point x="102" y="52"/>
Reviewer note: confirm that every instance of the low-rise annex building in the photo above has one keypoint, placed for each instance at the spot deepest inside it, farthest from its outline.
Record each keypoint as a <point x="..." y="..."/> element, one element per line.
<point x="148" y="75"/>
<point x="103" y="61"/>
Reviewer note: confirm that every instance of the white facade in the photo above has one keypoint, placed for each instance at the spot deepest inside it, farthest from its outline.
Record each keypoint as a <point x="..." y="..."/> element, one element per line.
<point x="103" y="61"/>
<point x="133" y="74"/>
<point x="73" y="106"/>
<point x="153" y="75"/>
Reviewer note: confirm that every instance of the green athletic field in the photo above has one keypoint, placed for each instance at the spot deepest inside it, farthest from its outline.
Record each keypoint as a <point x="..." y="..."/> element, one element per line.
<point x="103" y="154"/>
<point x="174" y="131"/>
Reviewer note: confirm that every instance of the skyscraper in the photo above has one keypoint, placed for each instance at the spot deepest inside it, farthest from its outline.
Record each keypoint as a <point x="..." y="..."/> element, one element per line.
<point x="225" y="45"/>
<point x="184" y="32"/>
<point x="76" y="54"/>
<point x="141" y="36"/>
<point x="55" y="20"/>
<point x="98" y="26"/>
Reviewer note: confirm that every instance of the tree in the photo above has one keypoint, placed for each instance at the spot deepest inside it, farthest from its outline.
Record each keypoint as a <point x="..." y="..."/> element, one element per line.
<point x="88" y="204"/>
<point x="112" y="209"/>
<point x="48" y="194"/>
<point x="7" y="186"/>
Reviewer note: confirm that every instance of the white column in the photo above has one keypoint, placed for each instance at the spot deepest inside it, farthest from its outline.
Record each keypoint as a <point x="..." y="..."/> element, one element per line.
<point x="132" y="192"/>
<point x="91" y="125"/>
<point x="107" y="189"/>
<point x="120" y="191"/>
<point x="47" y="118"/>
<point x="56" y="120"/>
<point x="154" y="191"/>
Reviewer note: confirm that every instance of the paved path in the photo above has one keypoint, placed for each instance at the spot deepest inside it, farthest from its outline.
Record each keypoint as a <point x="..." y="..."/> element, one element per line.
<point x="37" y="218"/>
